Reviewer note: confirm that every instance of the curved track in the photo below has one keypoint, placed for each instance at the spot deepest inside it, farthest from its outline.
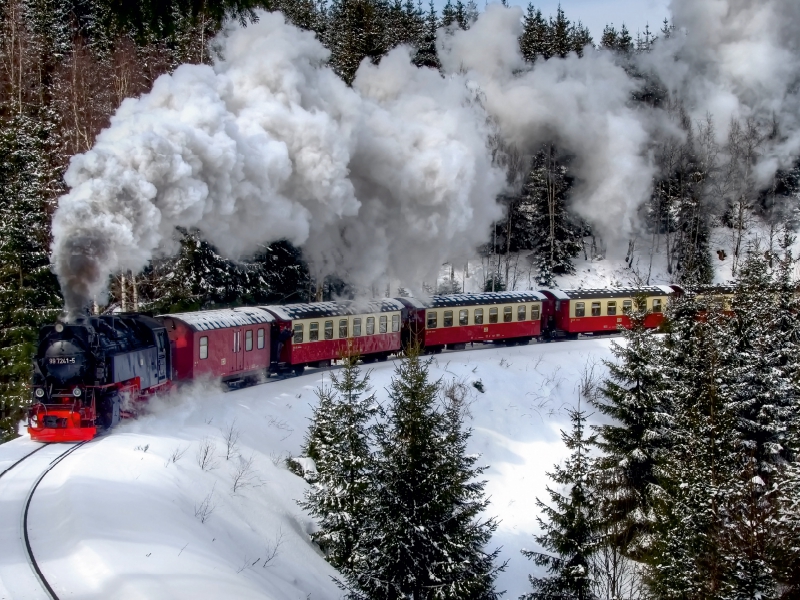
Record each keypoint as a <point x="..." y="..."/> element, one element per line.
<point x="20" y="575"/>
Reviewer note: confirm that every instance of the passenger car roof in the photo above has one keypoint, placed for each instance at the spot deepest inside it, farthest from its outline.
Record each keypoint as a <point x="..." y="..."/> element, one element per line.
<point x="222" y="318"/>
<point x="317" y="310"/>
<point x="619" y="292"/>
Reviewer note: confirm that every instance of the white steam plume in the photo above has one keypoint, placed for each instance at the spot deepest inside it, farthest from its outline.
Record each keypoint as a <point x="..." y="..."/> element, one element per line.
<point x="393" y="176"/>
<point x="737" y="60"/>
<point x="582" y="104"/>
<point x="389" y="178"/>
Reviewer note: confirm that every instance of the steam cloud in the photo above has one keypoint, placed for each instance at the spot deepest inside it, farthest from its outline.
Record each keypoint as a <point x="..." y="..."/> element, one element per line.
<point x="394" y="176"/>
<point x="388" y="178"/>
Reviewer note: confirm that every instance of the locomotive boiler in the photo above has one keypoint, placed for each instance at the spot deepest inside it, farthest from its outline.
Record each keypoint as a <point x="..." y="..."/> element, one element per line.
<point x="90" y="370"/>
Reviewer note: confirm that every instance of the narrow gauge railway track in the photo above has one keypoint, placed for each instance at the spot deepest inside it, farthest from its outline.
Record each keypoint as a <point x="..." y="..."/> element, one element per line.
<point x="17" y="488"/>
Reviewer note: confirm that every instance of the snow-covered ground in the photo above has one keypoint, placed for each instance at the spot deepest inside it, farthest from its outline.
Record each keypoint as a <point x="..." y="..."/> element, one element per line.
<point x="119" y="519"/>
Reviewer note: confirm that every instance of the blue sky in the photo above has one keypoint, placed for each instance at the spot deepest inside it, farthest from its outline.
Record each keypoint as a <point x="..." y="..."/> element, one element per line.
<point x="596" y="13"/>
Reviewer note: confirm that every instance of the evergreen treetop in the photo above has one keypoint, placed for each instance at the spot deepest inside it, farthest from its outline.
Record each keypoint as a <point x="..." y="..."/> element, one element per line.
<point x="570" y="523"/>
<point x="424" y="537"/>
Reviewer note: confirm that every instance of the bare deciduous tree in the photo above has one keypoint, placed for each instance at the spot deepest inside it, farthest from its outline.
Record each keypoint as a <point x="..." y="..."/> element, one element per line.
<point x="206" y="457"/>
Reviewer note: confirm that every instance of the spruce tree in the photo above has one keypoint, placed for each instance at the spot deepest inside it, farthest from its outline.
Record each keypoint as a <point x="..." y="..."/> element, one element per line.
<point x="634" y="442"/>
<point x="554" y="235"/>
<point x="701" y="469"/>
<point x="560" y="34"/>
<point x="609" y="38"/>
<point x="448" y="14"/>
<point x="356" y="31"/>
<point x="197" y="278"/>
<point x="427" y="55"/>
<point x="569" y="525"/>
<point x="423" y="537"/>
<point x="29" y="293"/>
<point x="338" y="442"/>
<point x="534" y="41"/>
<point x="580" y="38"/>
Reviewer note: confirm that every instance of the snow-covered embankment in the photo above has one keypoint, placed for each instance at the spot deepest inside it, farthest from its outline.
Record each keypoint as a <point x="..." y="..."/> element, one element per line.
<point x="121" y="518"/>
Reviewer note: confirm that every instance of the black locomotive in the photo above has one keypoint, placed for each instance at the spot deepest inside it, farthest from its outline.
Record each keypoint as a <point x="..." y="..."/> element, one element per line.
<point x="90" y="370"/>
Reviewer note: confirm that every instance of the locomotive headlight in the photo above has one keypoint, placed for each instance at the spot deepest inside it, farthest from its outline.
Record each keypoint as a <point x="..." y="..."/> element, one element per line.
<point x="39" y="392"/>
<point x="59" y="327"/>
<point x="76" y="392"/>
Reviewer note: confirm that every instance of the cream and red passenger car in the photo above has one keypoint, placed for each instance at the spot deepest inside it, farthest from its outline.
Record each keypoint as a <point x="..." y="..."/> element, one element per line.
<point x="603" y="310"/>
<point x="454" y="320"/>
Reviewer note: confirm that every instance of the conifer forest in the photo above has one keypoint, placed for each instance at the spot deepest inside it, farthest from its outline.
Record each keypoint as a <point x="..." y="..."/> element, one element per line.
<point x="683" y="475"/>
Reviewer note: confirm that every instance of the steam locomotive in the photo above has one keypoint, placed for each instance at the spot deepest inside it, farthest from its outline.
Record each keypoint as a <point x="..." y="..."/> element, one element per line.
<point x="91" y="371"/>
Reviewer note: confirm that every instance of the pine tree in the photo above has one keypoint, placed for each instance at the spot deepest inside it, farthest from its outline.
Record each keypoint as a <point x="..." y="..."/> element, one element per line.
<point x="338" y="442"/>
<point x="701" y="472"/>
<point x="448" y="14"/>
<point x="423" y="537"/>
<point x="197" y="278"/>
<point x="580" y="38"/>
<point x="29" y="294"/>
<point x="610" y="37"/>
<point x="624" y="41"/>
<point x="554" y="236"/>
<point x="427" y="55"/>
<point x="560" y="34"/>
<point x="161" y="16"/>
<point x="634" y="442"/>
<point x="569" y="526"/>
<point x="356" y="31"/>
<point x="277" y="275"/>
<point x="534" y="41"/>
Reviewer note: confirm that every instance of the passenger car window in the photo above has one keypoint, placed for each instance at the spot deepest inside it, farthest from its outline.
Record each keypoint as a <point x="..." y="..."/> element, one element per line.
<point x="478" y="316"/>
<point x="383" y="326"/>
<point x="313" y="332"/>
<point x="611" y="308"/>
<point x="627" y="306"/>
<point x="448" y="318"/>
<point x="298" y="333"/>
<point x="595" y="309"/>
<point x="370" y="325"/>
<point x="248" y="340"/>
<point x="508" y="314"/>
<point x="535" y="312"/>
<point x="203" y="348"/>
<point x="580" y="309"/>
<point x="522" y="312"/>
<point x="656" y="305"/>
<point x="492" y="315"/>
<point x="463" y="317"/>
<point x="395" y="323"/>
<point x="356" y="327"/>
<point x="432" y="320"/>
<point x="328" y="330"/>
<point x="260" y="339"/>
<point x="342" y="328"/>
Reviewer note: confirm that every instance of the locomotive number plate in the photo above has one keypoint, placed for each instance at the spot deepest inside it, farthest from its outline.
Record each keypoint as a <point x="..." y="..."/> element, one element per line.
<point x="61" y="361"/>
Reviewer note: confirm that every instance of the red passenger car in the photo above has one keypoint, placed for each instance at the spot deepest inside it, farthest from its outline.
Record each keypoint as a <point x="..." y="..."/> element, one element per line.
<point x="454" y="320"/>
<point x="233" y="344"/>
<point x="315" y="334"/>
<point x="571" y="312"/>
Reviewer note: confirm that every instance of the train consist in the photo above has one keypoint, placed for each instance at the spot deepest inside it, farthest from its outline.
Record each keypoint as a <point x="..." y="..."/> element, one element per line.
<point x="91" y="372"/>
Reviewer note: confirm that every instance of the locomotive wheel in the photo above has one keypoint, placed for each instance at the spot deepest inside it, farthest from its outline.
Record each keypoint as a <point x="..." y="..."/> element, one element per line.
<point x="108" y="411"/>
<point x="298" y="370"/>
